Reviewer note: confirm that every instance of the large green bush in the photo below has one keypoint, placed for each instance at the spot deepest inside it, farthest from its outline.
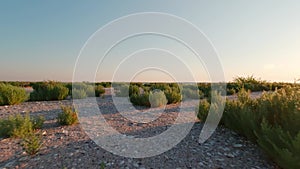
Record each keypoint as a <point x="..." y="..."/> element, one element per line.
<point x="121" y="90"/>
<point x="79" y="94"/>
<point x="191" y="93"/>
<point x="171" y="90"/>
<point x="157" y="98"/>
<point x="10" y="95"/>
<point x="140" y="100"/>
<point x="273" y="121"/>
<point x="282" y="108"/>
<point x="241" y="116"/>
<point x="139" y="93"/>
<point x="134" y="89"/>
<point x="45" y="91"/>
<point x="87" y="88"/>
<point x="281" y="146"/>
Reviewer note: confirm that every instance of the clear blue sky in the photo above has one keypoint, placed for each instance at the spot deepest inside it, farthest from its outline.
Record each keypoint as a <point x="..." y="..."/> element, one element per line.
<point x="40" y="40"/>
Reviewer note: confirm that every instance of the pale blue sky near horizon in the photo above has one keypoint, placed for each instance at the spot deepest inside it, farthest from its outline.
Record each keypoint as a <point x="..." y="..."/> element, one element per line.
<point x="40" y="40"/>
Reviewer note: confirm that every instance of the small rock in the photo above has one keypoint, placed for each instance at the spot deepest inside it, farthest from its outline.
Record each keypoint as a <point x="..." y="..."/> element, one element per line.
<point x="220" y="159"/>
<point x="122" y="162"/>
<point x="229" y="155"/>
<point x="135" y="165"/>
<point x="23" y="158"/>
<point x="237" y="145"/>
<point x="201" y="164"/>
<point x="226" y="149"/>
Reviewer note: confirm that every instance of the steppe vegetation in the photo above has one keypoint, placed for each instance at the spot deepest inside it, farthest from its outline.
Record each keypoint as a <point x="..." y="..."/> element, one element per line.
<point x="272" y="121"/>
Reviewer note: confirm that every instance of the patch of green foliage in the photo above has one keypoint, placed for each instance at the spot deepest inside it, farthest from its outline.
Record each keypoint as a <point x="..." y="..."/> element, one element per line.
<point x="157" y="98"/>
<point x="10" y="95"/>
<point x="68" y="116"/>
<point x="99" y="90"/>
<point x="139" y="93"/>
<point x="273" y="121"/>
<point x="79" y="94"/>
<point x="32" y="143"/>
<point x="19" y="126"/>
<point x="49" y="90"/>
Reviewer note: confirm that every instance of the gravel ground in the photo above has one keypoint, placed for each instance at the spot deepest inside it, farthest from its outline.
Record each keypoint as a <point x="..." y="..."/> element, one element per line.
<point x="70" y="146"/>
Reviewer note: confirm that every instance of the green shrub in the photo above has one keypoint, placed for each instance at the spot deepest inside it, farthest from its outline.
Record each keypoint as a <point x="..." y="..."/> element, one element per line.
<point x="282" y="108"/>
<point x="87" y="88"/>
<point x="99" y="90"/>
<point x="19" y="126"/>
<point x="90" y="91"/>
<point x="203" y="110"/>
<point x="79" y="94"/>
<point x="189" y="93"/>
<point x="157" y="98"/>
<point x="6" y="128"/>
<point x="45" y="91"/>
<point x="205" y="88"/>
<point x="273" y="121"/>
<point x="104" y="84"/>
<point x="32" y="143"/>
<point x="68" y="116"/>
<point x="10" y="95"/>
<point x="173" y="96"/>
<point x="241" y="115"/>
<point x="211" y="106"/>
<point x="280" y="145"/>
<point x="23" y="127"/>
<point x="121" y="90"/>
<point x="140" y="100"/>
<point x="38" y="122"/>
<point x="134" y="89"/>
<point x="230" y="91"/>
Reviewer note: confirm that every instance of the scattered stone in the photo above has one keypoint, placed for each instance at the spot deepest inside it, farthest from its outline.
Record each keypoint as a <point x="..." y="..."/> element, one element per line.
<point x="237" y="145"/>
<point x="230" y="155"/>
<point x="135" y="165"/>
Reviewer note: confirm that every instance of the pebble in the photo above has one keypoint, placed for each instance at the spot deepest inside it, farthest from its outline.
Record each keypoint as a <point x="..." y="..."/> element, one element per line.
<point x="230" y="155"/>
<point x="237" y="145"/>
<point x="135" y="165"/>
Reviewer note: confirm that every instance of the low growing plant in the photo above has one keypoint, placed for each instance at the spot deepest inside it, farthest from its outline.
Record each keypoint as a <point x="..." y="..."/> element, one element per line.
<point x="10" y="95"/>
<point x="19" y="126"/>
<point x="38" y="122"/>
<point x="79" y="94"/>
<point x="31" y="143"/>
<point x="68" y="116"/>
